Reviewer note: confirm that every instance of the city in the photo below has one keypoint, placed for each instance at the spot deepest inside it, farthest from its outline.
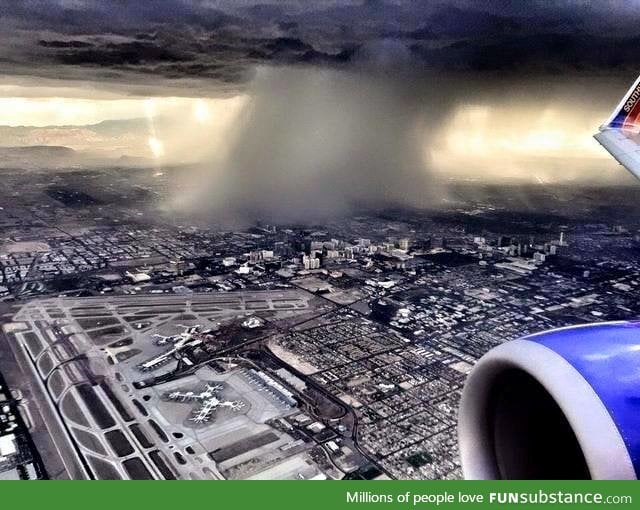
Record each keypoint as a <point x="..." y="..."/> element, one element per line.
<point x="349" y="240"/>
<point x="136" y="345"/>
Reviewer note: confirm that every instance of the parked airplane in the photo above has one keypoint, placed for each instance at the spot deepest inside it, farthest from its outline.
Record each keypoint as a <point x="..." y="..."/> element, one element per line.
<point x="187" y="334"/>
<point x="208" y="400"/>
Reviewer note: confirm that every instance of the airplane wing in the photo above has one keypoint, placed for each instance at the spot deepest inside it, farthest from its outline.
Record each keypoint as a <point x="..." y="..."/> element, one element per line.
<point x="620" y="134"/>
<point x="234" y="405"/>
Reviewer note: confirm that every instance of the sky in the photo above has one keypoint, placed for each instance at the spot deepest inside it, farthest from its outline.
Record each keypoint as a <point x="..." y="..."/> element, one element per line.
<point x="377" y="96"/>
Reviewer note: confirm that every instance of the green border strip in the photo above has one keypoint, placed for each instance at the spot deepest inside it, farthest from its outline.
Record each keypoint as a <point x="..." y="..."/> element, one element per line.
<point x="311" y="495"/>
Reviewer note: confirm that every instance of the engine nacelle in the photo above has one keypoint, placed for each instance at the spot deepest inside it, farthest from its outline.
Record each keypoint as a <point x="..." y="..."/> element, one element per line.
<point x="563" y="404"/>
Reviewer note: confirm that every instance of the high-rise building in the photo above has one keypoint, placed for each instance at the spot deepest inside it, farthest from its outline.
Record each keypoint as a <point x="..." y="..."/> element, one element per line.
<point x="310" y="262"/>
<point x="562" y="241"/>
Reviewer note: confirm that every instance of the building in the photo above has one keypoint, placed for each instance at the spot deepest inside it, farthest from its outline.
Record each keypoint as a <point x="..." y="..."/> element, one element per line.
<point x="310" y="262"/>
<point x="539" y="257"/>
<point x="228" y="261"/>
<point x="138" y="277"/>
<point x="7" y="446"/>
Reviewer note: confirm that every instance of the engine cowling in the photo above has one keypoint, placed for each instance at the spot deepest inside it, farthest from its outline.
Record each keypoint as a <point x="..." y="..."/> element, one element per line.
<point x="563" y="404"/>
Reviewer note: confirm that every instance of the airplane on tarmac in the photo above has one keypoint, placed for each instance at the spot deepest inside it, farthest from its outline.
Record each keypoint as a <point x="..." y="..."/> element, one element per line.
<point x="186" y="335"/>
<point x="208" y="400"/>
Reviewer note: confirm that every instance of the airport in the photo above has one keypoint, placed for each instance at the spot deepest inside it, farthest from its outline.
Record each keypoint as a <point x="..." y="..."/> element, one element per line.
<point x="199" y="414"/>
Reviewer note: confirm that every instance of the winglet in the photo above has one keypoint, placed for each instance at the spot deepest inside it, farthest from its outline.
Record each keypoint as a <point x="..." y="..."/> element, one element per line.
<point x="627" y="114"/>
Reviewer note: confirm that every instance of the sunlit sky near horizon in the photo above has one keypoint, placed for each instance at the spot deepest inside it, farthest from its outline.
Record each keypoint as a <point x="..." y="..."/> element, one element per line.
<point x="475" y="135"/>
<point x="189" y="73"/>
<point x="74" y="111"/>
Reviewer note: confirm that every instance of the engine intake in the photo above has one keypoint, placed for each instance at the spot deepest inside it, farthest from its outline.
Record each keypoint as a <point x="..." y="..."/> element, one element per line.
<point x="564" y="404"/>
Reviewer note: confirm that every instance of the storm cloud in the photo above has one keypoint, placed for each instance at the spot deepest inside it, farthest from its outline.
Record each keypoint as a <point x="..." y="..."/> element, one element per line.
<point x="315" y="143"/>
<point x="343" y="103"/>
<point x="217" y="44"/>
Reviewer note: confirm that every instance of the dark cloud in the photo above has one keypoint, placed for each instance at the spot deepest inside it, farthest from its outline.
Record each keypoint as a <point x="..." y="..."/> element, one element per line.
<point x="550" y="53"/>
<point x="64" y="44"/>
<point x="133" y="53"/>
<point x="223" y="40"/>
<point x="345" y="100"/>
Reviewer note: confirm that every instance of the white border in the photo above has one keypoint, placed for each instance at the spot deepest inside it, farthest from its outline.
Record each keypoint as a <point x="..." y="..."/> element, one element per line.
<point x="602" y="445"/>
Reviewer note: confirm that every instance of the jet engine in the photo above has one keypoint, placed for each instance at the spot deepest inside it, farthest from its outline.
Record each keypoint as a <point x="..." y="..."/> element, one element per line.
<point x="562" y="404"/>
